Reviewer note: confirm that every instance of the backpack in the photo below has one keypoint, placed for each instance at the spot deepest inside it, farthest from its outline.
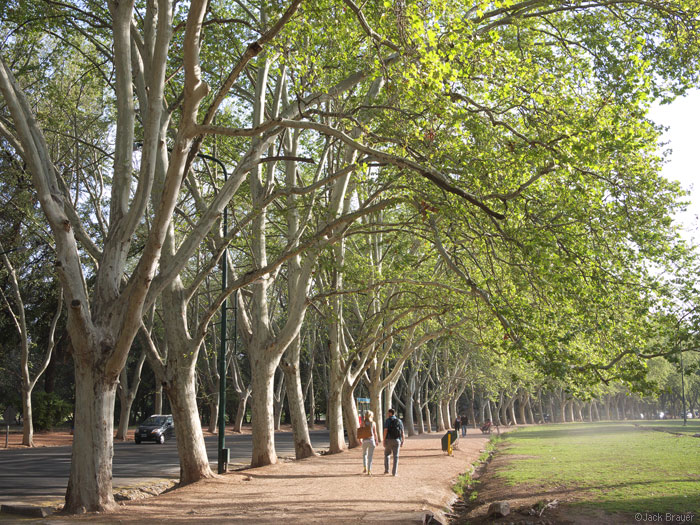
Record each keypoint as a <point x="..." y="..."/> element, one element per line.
<point x="393" y="430"/>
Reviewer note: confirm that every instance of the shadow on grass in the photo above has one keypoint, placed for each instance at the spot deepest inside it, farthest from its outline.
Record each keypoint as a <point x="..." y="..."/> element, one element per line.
<point x="557" y="431"/>
<point x="585" y="496"/>
<point x="676" y="505"/>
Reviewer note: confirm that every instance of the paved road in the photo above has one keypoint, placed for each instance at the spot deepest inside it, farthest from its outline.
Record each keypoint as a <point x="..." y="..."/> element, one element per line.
<point x="41" y="474"/>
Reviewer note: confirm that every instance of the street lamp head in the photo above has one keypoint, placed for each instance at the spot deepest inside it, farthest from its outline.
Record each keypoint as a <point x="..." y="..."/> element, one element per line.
<point x="19" y="249"/>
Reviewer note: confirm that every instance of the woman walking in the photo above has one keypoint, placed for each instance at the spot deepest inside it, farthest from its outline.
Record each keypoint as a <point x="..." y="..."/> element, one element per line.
<point x="369" y="443"/>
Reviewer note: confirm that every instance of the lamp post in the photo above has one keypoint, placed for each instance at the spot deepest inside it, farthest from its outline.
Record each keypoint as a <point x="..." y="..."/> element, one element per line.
<point x="19" y="249"/>
<point x="685" y="413"/>
<point x="224" y="454"/>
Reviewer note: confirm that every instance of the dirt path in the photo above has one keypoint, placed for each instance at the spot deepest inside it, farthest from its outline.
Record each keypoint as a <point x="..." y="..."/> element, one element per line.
<point x="323" y="489"/>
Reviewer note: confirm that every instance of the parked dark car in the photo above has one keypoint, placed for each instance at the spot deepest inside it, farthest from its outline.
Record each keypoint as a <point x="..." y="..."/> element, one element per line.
<point x="156" y="428"/>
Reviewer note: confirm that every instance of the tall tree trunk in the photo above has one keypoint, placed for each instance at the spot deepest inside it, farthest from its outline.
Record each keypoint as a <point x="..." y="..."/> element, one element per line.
<point x="470" y="407"/>
<point x="124" y="414"/>
<point x="127" y="394"/>
<point x="565" y="410"/>
<point x="408" y="412"/>
<point x="278" y="402"/>
<point x="334" y="410"/>
<point x="180" y="382"/>
<point x="521" y="407"/>
<point x="446" y="416"/>
<point x="503" y="409"/>
<point x="530" y="413"/>
<point x="262" y="381"/>
<point x="334" y="416"/>
<point x="419" y="416"/>
<point x="295" y="400"/>
<point x="158" y="401"/>
<point x="90" y="479"/>
<point x="428" y="418"/>
<point x="511" y="407"/>
<point x="390" y="388"/>
<point x="375" y="399"/>
<point x="350" y="416"/>
<point x="440" y="417"/>
<point x="291" y="359"/>
<point x="213" y="408"/>
<point x="562" y="407"/>
<point x="182" y="394"/>
<point x="572" y="416"/>
<point x="309" y="392"/>
<point x="541" y="407"/>
<point x="453" y="411"/>
<point x="241" y="409"/>
<point x="27" y="419"/>
<point x="312" y="403"/>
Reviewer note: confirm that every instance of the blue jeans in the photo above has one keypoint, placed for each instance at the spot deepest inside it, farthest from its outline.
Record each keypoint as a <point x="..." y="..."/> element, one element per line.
<point x="391" y="446"/>
<point x="464" y="430"/>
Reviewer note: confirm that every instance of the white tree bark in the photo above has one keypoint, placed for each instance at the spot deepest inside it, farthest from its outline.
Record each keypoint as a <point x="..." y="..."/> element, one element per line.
<point x="103" y="327"/>
<point x="441" y="426"/>
<point x="290" y="361"/>
<point x="180" y="386"/>
<point x="350" y="416"/>
<point x="89" y="484"/>
<point x="295" y="400"/>
<point x="127" y="394"/>
<point x="278" y="401"/>
<point x="241" y="409"/>
<point x="334" y="412"/>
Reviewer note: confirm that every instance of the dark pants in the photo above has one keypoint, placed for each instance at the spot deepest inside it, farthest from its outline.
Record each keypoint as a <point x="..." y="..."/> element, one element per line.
<point x="391" y="446"/>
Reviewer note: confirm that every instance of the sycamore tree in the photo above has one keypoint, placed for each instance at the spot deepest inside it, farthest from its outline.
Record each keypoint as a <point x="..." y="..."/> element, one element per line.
<point x="566" y="272"/>
<point x="104" y="317"/>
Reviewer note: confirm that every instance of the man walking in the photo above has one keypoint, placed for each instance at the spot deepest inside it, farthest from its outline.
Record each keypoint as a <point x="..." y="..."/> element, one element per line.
<point x="393" y="438"/>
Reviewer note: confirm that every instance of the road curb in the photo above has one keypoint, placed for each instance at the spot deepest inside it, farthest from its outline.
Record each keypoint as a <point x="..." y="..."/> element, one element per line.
<point x="31" y="511"/>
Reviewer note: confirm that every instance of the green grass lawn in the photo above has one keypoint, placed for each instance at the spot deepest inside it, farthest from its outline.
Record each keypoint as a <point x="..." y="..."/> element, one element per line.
<point x="614" y="466"/>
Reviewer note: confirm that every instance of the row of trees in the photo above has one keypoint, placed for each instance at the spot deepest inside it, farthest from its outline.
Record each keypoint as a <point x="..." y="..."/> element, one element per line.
<point x="419" y="192"/>
<point x="484" y="388"/>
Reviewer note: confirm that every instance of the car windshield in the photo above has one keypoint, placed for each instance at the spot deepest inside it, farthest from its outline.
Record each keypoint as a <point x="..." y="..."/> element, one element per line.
<point x="155" y="420"/>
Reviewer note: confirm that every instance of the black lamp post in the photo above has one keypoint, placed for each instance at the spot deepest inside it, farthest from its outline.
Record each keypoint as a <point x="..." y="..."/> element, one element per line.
<point x="224" y="453"/>
<point x="19" y="249"/>
<point x="685" y="412"/>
